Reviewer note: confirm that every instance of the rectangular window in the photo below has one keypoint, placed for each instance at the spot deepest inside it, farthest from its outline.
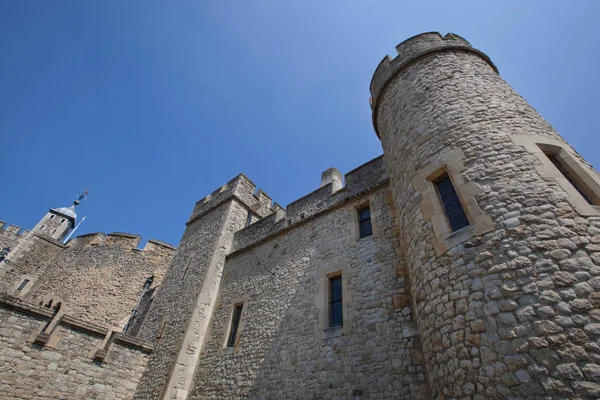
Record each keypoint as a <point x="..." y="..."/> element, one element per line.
<point x="235" y="322"/>
<point x="570" y="177"/>
<point x="335" y="301"/>
<point x="22" y="285"/>
<point x="364" y="222"/>
<point x="249" y="220"/>
<point x="454" y="209"/>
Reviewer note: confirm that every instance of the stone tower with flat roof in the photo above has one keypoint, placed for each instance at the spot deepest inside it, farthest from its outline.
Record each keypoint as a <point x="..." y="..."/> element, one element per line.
<point x="499" y="222"/>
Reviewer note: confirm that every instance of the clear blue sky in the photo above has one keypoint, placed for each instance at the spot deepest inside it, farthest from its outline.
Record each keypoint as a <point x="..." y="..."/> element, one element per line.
<point x="153" y="105"/>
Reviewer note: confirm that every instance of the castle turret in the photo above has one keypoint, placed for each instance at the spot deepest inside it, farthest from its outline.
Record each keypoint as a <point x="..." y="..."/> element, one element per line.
<point x="36" y="249"/>
<point x="57" y="223"/>
<point x="499" y="223"/>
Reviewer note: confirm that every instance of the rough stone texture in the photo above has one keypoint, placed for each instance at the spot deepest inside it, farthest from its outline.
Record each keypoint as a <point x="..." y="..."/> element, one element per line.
<point x="29" y="371"/>
<point x="508" y="307"/>
<point x="11" y="235"/>
<point x="31" y="251"/>
<point x="359" y="180"/>
<point x="189" y="289"/>
<point x="30" y="259"/>
<point x="142" y="312"/>
<point x="279" y="354"/>
<point x="455" y="99"/>
<point x="108" y="264"/>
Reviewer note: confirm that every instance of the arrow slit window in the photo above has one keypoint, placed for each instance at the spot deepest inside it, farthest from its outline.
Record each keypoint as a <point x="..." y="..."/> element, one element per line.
<point x="235" y="323"/>
<point x="452" y="205"/>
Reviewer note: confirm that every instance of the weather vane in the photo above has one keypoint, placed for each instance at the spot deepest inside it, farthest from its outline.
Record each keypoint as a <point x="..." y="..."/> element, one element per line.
<point x="81" y="197"/>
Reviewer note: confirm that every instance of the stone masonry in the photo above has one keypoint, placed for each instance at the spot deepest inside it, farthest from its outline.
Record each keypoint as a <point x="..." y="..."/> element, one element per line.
<point x="307" y="302"/>
<point x="98" y="263"/>
<point x="507" y="309"/>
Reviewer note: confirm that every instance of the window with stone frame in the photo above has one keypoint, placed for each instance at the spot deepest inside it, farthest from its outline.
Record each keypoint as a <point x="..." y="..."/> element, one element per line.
<point x="452" y="206"/>
<point x="336" y="318"/>
<point x="574" y="179"/>
<point x="23" y="284"/>
<point x="364" y="222"/>
<point x="235" y="323"/>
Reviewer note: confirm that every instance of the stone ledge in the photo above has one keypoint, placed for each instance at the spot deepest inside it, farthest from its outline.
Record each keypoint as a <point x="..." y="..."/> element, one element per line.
<point x="15" y="303"/>
<point x="161" y="243"/>
<point x="49" y="239"/>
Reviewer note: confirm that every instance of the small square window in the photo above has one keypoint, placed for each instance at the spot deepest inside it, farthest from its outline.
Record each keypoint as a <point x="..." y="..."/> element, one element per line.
<point x="364" y="222"/>
<point x="235" y="323"/>
<point x="335" y="302"/>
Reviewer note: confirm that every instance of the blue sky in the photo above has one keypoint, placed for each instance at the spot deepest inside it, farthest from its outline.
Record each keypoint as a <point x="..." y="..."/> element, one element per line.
<point x="153" y="105"/>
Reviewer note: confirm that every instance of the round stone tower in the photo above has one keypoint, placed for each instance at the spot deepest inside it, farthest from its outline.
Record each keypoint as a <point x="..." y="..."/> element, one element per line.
<point x="500" y="227"/>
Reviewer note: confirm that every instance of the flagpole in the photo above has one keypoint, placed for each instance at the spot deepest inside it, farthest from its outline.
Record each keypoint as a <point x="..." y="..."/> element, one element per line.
<point x="73" y="231"/>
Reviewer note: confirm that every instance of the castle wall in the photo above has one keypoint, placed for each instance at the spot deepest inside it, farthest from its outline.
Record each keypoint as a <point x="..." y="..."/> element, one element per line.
<point x="178" y="316"/>
<point x="67" y="371"/>
<point x="283" y="350"/>
<point x="359" y="180"/>
<point x="10" y="236"/>
<point x="507" y="308"/>
<point x="101" y="276"/>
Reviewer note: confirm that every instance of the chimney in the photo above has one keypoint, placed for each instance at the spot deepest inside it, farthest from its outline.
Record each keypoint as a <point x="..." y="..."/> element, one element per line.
<point x="332" y="176"/>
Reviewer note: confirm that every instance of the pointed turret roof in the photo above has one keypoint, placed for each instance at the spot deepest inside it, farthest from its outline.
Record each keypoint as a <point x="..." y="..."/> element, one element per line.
<point x="68" y="212"/>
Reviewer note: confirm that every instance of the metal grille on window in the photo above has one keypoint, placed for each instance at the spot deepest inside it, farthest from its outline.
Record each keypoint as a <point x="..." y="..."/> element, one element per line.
<point x="558" y="164"/>
<point x="364" y="222"/>
<point x="335" y="302"/>
<point x="454" y="209"/>
<point x="235" y="322"/>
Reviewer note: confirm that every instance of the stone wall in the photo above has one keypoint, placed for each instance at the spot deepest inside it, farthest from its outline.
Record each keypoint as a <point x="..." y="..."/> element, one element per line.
<point x="34" y="253"/>
<point x="67" y="370"/>
<point x="359" y="180"/>
<point x="101" y="276"/>
<point x="284" y="350"/>
<point x="11" y="235"/>
<point x="183" y="305"/>
<point x="506" y="308"/>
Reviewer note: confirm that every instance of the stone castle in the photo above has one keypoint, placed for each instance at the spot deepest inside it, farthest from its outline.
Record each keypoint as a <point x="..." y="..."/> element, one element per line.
<point x="464" y="263"/>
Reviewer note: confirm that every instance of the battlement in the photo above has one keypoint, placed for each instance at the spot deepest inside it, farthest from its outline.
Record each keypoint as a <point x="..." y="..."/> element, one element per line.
<point x="12" y="229"/>
<point x="241" y="188"/>
<point x="358" y="181"/>
<point x="125" y="241"/>
<point x="413" y="49"/>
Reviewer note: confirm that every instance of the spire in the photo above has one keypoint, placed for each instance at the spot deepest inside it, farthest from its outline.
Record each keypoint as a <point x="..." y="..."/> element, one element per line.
<point x="70" y="211"/>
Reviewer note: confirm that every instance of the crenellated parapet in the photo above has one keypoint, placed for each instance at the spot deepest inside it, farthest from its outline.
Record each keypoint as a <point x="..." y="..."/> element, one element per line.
<point x="411" y="50"/>
<point x="12" y="229"/>
<point x="240" y="188"/>
<point x="358" y="181"/>
<point x="11" y="235"/>
<point x="102" y="275"/>
<point x="122" y="240"/>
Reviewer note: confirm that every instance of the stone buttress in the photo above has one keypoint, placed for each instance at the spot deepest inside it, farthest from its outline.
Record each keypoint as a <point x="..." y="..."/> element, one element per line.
<point x="507" y="307"/>
<point x="178" y="318"/>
